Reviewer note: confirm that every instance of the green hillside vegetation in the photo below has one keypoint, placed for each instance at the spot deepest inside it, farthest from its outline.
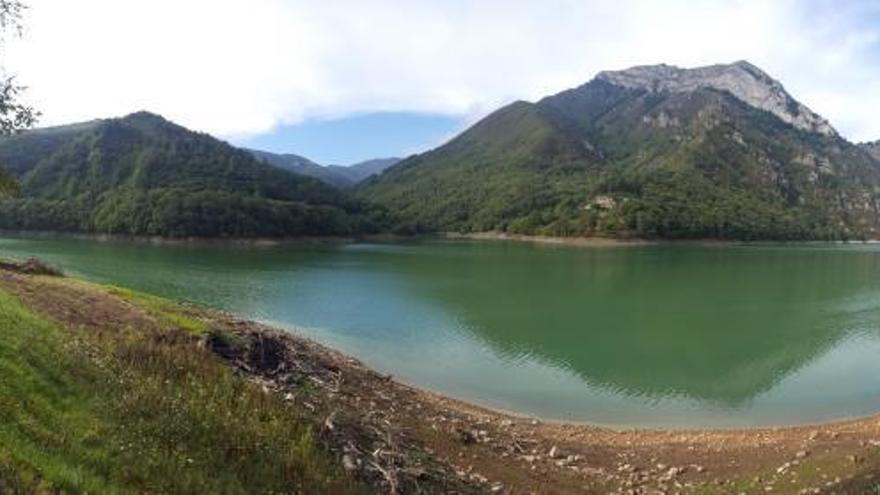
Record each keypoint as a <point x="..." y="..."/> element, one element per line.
<point x="141" y="410"/>
<point x="143" y="175"/>
<point x="598" y="160"/>
<point x="603" y="160"/>
<point x="511" y="169"/>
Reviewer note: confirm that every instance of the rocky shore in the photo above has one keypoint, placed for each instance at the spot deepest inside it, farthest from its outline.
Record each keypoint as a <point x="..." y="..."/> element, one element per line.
<point x="407" y="440"/>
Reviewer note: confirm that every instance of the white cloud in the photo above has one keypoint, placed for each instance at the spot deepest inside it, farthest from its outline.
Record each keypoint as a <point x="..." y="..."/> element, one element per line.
<point x="232" y="67"/>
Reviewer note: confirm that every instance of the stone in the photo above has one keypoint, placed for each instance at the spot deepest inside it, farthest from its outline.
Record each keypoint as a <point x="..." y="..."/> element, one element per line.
<point x="873" y="149"/>
<point x="743" y="80"/>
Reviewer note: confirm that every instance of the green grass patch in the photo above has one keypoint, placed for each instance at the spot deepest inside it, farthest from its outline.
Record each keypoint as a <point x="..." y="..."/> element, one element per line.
<point x="167" y="312"/>
<point x="133" y="412"/>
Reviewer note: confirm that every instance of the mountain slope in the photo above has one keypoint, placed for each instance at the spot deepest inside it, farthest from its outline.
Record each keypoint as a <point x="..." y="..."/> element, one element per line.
<point x="873" y="149"/>
<point x="336" y="175"/>
<point x="654" y="151"/>
<point x="361" y="171"/>
<point x="143" y="175"/>
<point x="303" y="166"/>
<point x="513" y="162"/>
<point x="20" y="153"/>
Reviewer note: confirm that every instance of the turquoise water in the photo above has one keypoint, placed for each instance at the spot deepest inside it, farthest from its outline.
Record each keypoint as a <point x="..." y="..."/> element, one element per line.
<point x="669" y="335"/>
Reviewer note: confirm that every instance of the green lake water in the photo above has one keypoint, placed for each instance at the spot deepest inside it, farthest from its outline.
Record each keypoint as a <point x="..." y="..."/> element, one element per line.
<point x="667" y="335"/>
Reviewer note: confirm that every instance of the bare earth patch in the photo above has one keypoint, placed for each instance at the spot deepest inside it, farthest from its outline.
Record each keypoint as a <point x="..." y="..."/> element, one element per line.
<point x="405" y="440"/>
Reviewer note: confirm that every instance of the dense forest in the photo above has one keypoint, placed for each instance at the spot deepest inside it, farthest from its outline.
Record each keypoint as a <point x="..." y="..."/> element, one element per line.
<point x="143" y="175"/>
<point x="606" y="160"/>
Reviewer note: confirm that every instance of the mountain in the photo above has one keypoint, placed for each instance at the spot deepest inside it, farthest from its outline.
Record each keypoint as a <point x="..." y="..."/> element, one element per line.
<point x="742" y="80"/>
<point x="144" y="175"/>
<point x="363" y="170"/>
<point x="339" y="176"/>
<point x="873" y="149"/>
<point x="20" y="153"/>
<point x="652" y="151"/>
<point x="303" y="166"/>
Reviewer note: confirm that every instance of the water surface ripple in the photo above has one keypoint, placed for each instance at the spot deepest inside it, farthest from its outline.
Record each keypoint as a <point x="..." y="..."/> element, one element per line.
<point x="671" y="336"/>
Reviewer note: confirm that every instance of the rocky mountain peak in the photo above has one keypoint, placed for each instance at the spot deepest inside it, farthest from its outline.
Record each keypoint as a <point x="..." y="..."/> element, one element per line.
<point x="742" y="79"/>
<point x="873" y="148"/>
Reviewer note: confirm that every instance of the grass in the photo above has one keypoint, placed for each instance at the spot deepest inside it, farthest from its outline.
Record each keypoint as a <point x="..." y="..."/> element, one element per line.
<point x="166" y="312"/>
<point x="133" y="411"/>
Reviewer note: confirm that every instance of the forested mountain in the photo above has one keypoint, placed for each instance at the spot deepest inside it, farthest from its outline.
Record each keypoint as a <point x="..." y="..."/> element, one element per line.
<point x="302" y="166"/>
<point x="654" y="151"/>
<point x="361" y="171"/>
<point x="143" y="175"/>
<point x="336" y="175"/>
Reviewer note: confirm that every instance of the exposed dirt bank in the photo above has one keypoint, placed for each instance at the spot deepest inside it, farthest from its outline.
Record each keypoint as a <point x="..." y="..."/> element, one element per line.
<point x="406" y="440"/>
<point x="234" y="241"/>
<point x="567" y="241"/>
<point x="396" y="238"/>
<point x="627" y="241"/>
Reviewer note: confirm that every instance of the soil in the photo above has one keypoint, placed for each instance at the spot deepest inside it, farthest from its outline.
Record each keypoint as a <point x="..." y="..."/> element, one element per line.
<point x="401" y="439"/>
<point x="624" y="240"/>
<point x="540" y="239"/>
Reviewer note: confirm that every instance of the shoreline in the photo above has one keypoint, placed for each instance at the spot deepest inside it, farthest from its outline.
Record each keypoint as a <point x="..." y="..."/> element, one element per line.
<point x="525" y="415"/>
<point x="358" y="411"/>
<point x="613" y="459"/>
<point x="222" y="241"/>
<point x="616" y="428"/>
<point x="635" y="241"/>
<point x="493" y="447"/>
<point x="396" y="238"/>
<point x="298" y="334"/>
<point x="562" y="241"/>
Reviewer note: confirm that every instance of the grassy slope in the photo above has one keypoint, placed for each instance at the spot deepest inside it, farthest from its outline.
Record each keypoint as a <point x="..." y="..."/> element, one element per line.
<point x="131" y="411"/>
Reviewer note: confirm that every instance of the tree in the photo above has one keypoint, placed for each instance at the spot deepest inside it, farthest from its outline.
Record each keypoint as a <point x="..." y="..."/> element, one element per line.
<point x="15" y="116"/>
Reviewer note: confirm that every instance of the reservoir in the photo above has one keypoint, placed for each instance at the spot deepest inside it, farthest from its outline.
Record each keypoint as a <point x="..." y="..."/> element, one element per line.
<point x="667" y="335"/>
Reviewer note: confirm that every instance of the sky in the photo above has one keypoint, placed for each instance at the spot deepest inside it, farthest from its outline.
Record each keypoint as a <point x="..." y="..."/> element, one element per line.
<point x="345" y="80"/>
<point x="348" y="140"/>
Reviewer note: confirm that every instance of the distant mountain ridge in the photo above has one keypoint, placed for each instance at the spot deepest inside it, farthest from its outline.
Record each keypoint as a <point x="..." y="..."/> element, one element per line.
<point x="653" y="151"/>
<point x="336" y="175"/>
<point x="144" y="175"/>
<point x="360" y="171"/>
